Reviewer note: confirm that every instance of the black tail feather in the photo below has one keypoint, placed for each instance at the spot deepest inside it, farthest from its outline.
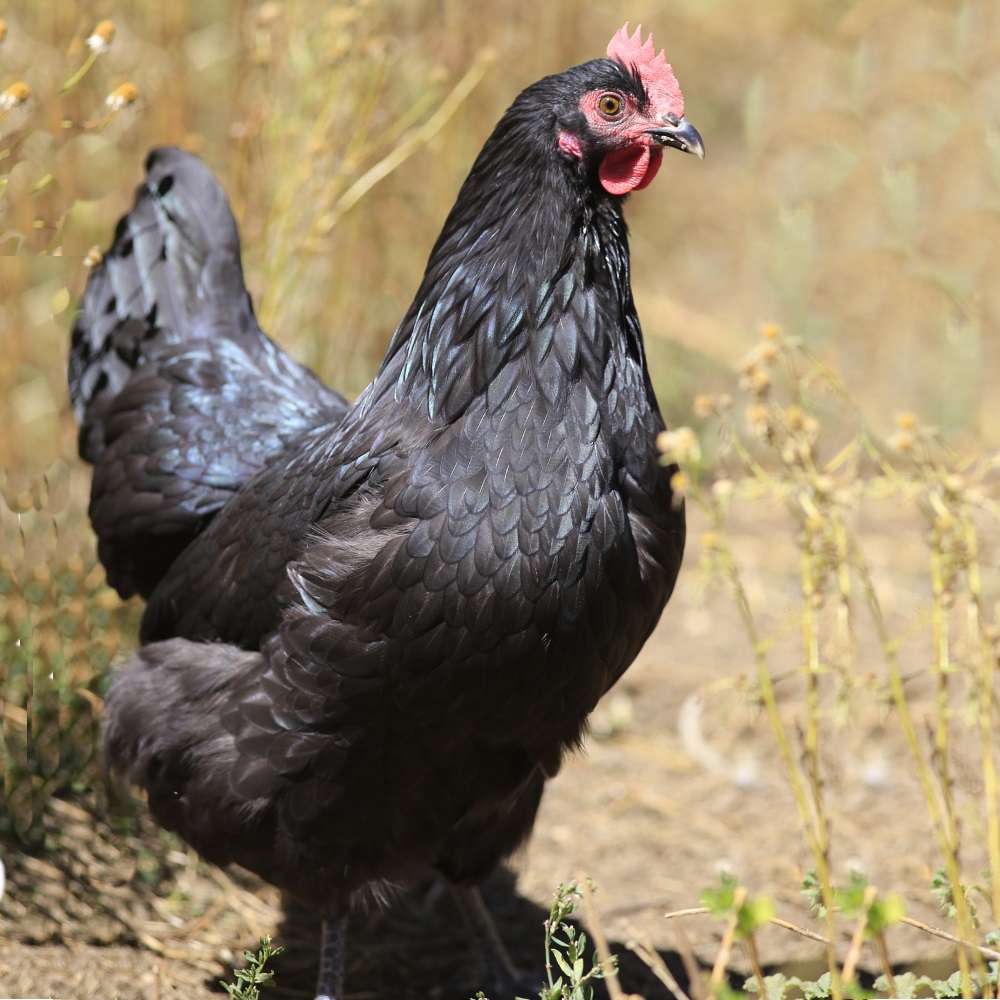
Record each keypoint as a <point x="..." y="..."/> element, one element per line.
<point x="179" y="395"/>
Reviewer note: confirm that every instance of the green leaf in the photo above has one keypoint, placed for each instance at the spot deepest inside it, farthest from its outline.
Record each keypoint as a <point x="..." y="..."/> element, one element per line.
<point x="885" y="912"/>
<point x="720" y="901"/>
<point x="813" y="891"/>
<point x="941" y="887"/>
<point x="852" y="898"/>
<point x="754" y="914"/>
<point x="906" y="985"/>
<point x="953" y="986"/>
<point x="776" y="986"/>
<point x="823" y="987"/>
<point x="563" y="964"/>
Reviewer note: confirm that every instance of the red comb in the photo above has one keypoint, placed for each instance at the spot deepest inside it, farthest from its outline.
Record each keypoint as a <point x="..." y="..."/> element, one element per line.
<point x="657" y="76"/>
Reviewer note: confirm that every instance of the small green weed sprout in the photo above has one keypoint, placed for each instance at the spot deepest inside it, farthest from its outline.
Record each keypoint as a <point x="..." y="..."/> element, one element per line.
<point x="568" y="976"/>
<point x="252" y="977"/>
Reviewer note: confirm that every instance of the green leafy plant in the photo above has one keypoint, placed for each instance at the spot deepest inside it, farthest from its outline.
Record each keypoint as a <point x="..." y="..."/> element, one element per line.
<point x="569" y="973"/>
<point x="744" y="915"/>
<point x="778" y="986"/>
<point x="250" y="978"/>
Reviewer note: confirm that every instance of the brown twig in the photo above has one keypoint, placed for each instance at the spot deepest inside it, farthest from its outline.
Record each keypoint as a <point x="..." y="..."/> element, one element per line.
<point x="858" y="938"/>
<point x="606" y="962"/>
<point x="657" y="966"/>
<point x="728" y="939"/>
<point x="937" y="932"/>
<point x="777" y="921"/>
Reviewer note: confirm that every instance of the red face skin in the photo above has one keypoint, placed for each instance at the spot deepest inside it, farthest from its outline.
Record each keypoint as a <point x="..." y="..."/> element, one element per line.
<point x="636" y="157"/>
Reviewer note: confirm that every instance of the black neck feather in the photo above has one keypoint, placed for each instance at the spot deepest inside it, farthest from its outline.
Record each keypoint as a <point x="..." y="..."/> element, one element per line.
<point x="532" y="265"/>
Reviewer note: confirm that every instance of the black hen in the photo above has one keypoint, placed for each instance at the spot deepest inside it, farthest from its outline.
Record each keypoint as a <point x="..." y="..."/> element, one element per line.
<point x="374" y="630"/>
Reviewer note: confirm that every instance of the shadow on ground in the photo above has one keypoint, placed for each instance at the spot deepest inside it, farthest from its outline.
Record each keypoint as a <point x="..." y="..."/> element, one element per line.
<point x="419" y="949"/>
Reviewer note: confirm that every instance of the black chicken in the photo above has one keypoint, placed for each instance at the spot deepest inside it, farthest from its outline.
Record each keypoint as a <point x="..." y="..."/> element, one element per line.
<point x="374" y="630"/>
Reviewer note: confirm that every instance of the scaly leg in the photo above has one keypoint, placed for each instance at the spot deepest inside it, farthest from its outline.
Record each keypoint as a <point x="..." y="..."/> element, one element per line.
<point x="501" y="978"/>
<point x="330" y="985"/>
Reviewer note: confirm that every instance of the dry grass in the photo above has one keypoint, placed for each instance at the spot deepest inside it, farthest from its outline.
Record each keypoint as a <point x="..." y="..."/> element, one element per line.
<point x="932" y="667"/>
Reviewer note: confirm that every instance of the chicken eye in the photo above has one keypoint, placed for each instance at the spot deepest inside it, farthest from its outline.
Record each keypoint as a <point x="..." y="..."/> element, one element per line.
<point x="609" y="105"/>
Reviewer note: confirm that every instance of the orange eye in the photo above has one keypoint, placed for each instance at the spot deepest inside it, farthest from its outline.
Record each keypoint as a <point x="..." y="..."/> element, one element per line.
<point x="609" y="105"/>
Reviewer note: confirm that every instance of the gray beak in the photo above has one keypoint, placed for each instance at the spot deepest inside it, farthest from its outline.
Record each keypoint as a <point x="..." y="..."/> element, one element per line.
<point x="680" y="134"/>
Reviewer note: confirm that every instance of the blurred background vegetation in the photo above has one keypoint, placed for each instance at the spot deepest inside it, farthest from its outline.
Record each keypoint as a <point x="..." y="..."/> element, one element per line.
<point x="851" y="190"/>
<point x="851" y="193"/>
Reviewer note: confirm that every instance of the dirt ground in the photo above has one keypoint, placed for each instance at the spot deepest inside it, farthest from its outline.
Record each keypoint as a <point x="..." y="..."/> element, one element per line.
<point x="681" y="779"/>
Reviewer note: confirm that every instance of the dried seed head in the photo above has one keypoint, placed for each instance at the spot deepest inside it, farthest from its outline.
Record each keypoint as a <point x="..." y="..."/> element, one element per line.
<point x="768" y="352"/>
<point x="680" y="483"/>
<point x="795" y="417"/>
<point x="268" y="13"/>
<point x="123" y="96"/>
<point x="760" y="381"/>
<point x="906" y="421"/>
<point x="954" y="484"/>
<point x="722" y="489"/>
<point x="687" y="440"/>
<point x="903" y="441"/>
<point x="710" y="541"/>
<point x="945" y="521"/>
<point x="754" y="378"/>
<point x="681" y="445"/>
<point x="824" y="485"/>
<point x="845" y="494"/>
<point x="756" y="381"/>
<point x="101" y="38"/>
<point x="93" y="258"/>
<point x="704" y="405"/>
<point x="14" y="96"/>
<point x="758" y="418"/>
<point x="770" y="331"/>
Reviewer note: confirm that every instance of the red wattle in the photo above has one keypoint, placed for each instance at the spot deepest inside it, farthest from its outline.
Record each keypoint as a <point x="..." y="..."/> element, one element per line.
<point x="628" y="169"/>
<point x="655" y="160"/>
